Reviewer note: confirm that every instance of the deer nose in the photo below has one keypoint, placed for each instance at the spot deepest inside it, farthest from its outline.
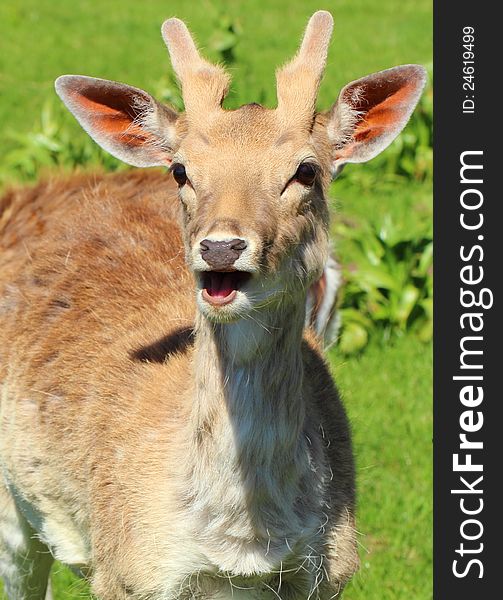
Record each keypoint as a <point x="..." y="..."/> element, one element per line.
<point x="221" y="255"/>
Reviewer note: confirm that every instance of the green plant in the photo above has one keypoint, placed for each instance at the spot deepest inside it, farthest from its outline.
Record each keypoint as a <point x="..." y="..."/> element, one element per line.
<point x="389" y="282"/>
<point x="225" y="38"/>
<point x="51" y="143"/>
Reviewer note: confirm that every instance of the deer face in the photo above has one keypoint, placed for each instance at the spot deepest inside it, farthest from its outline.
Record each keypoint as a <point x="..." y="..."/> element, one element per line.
<point x="255" y="217"/>
<point x="251" y="181"/>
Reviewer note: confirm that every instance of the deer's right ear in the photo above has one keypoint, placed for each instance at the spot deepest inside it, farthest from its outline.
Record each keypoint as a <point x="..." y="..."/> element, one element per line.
<point x="125" y="121"/>
<point x="371" y="112"/>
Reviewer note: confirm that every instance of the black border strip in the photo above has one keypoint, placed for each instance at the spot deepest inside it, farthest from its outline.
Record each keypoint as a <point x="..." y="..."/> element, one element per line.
<point x="458" y="404"/>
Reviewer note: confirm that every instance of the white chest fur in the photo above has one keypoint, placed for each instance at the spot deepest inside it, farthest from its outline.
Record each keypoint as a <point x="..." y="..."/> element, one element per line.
<point x="256" y="499"/>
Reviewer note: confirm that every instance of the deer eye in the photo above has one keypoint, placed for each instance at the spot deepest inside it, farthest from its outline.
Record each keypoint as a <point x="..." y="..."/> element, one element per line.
<point x="179" y="174"/>
<point x="305" y="174"/>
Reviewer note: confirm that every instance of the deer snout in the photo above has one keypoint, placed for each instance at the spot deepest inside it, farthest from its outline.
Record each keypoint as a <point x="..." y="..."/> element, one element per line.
<point x="221" y="255"/>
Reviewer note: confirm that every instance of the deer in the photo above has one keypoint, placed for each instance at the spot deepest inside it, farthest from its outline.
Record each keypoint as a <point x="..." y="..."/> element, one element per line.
<point x="169" y="428"/>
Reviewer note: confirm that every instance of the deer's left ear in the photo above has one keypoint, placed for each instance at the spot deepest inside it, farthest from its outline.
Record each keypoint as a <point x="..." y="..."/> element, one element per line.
<point x="371" y="112"/>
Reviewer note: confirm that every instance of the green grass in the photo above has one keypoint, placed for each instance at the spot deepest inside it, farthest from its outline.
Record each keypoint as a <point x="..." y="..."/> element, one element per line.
<point x="387" y="390"/>
<point x="120" y="40"/>
<point x="387" y="393"/>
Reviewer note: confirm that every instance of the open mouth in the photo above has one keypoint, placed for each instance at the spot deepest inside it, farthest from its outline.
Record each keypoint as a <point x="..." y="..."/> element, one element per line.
<point x="220" y="288"/>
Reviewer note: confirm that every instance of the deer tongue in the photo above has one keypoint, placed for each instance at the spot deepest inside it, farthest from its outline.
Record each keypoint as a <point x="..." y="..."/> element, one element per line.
<point x="221" y="285"/>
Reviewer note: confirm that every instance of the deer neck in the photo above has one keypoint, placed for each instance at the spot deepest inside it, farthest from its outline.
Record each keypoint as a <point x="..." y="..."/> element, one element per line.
<point x="249" y="376"/>
<point x="251" y="458"/>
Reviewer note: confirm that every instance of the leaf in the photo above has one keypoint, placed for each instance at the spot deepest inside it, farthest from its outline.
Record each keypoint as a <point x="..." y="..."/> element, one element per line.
<point x="349" y="315"/>
<point x="224" y="40"/>
<point x="425" y="261"/>
<point x="376" y="277"/>
<point x="408" y="299"/>
<point x="354" y="338"/>
<point x="425" y="332"/>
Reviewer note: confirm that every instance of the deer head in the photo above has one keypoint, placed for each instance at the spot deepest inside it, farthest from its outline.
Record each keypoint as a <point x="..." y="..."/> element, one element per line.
<point x="252" y="181"/>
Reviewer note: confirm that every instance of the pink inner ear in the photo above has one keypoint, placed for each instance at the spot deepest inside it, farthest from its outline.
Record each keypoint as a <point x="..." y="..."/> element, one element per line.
<point x="388" y="105"/>
<point x="116" y="125"/>
<point x="113" y="116"/>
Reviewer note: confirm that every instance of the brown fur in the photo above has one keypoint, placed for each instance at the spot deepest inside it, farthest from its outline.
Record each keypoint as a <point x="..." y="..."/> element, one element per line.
<point x="95" y="346"/>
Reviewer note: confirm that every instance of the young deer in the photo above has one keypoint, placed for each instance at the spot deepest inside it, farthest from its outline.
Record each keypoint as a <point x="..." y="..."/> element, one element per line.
<point x="168" y="427"/>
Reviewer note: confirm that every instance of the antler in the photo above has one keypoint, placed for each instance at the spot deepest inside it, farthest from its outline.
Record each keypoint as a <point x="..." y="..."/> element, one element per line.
<point x="204" y="85"/>
<point x="299" y="80"/>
